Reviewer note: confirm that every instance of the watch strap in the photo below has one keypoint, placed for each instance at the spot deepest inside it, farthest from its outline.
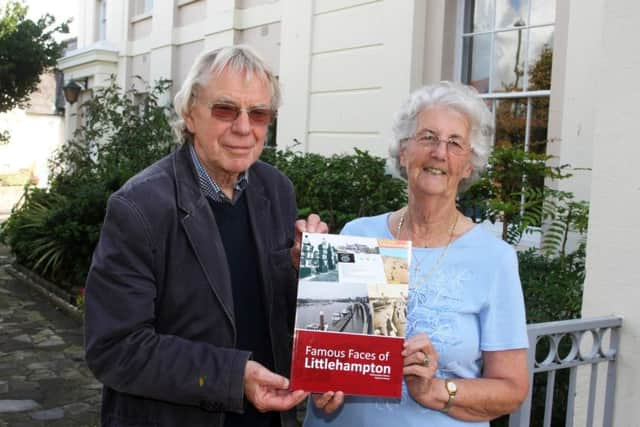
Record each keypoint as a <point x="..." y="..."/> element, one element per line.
<point x="452" y="396"/>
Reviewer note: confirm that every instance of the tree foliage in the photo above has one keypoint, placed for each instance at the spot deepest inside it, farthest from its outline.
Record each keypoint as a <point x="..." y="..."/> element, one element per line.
<point x="27" y="49"/>
<point x="54" y="231"/>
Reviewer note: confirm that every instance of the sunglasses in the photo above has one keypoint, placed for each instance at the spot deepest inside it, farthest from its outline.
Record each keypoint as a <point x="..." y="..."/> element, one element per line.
<point x="226" y="112"/>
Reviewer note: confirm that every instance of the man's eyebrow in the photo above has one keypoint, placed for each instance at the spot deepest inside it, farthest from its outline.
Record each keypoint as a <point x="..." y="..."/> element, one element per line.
<point x="223" y="99"/>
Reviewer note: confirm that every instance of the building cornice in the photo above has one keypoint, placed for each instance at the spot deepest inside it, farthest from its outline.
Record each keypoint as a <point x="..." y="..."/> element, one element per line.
<point x="88" y="57"/>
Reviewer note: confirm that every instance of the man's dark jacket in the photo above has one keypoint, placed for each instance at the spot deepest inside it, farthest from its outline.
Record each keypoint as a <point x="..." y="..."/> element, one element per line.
<point x="159" y="315"/>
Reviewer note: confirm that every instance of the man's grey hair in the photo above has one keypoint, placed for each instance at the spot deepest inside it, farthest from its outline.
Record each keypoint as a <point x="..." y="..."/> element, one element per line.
<point x="209" y="65"/>
<point x="461" y="98"/>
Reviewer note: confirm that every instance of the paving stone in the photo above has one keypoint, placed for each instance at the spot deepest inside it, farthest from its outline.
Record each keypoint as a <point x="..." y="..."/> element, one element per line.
<point x="23" y="386"/>
<point x="42" y="375"/>
<point x="77" y="408"/>
<point x="23" y="338"/>
<point x="71" y="374"/>
<point x="44" y="380"/>
<point x="17" y="405"/>
<point x="48" y="414"/>
<point x="51" y="342"/>
<point x="40" y="365"/>
<point x="94" y="386"/>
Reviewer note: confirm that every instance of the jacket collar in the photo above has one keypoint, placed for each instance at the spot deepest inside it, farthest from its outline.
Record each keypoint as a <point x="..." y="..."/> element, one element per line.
<point x="205" y="239"/>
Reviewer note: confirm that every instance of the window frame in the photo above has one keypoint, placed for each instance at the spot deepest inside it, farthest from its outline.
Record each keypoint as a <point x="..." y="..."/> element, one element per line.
<point x="493" y="96"/>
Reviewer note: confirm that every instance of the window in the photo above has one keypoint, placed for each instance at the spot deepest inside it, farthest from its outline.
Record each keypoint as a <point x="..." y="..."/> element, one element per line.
<point x="506" y="55"/>
<point x="507" y="48"/>
<point x="141" y="7"/>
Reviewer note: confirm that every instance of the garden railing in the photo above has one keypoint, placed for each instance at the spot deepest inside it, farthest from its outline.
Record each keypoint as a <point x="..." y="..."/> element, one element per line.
<point x="591" y="342"/>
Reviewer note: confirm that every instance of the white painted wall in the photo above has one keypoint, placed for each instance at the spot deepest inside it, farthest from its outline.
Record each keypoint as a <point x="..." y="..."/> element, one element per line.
<point x="613" y="277"/>
<point x="576" y="57"/>
<point x="345" y="67"/>
<point x="34" y="137"/>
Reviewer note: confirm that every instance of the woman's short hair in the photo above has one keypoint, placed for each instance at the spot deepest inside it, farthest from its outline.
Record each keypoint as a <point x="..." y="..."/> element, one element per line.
<point x="461" y="98"/>
<point x="210" y="64"/>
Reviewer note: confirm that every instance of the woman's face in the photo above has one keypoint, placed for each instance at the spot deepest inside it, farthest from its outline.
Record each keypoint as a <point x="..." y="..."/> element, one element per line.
<point x="434" y="169"/>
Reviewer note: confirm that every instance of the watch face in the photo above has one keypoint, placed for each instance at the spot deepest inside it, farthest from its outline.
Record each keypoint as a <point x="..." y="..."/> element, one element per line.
<point x="451" y="387"/>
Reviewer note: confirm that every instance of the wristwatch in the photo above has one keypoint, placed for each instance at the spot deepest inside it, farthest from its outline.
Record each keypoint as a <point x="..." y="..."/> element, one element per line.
<point x="452" y="389"/>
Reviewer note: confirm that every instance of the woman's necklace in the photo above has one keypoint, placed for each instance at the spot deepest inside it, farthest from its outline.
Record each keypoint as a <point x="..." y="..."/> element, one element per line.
<point x="435" y="265"/>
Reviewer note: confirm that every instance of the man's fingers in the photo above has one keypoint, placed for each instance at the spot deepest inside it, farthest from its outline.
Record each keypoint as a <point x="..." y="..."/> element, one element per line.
<point x="313" y="224"/>
<point x="301" y="226"/>
<point x="277" y="402"/>
<point x="258" y="374"/>
<point x="267" y="378"/>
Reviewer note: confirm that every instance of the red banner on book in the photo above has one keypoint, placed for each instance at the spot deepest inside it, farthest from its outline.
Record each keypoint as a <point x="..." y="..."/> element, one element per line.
<point x="352" y="363"/>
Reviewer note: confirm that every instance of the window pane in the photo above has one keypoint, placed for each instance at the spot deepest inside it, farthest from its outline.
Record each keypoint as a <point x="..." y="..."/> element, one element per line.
<point x="511" y="13"/>
<point x="540" y="58"/>
<point x="508" y="67"/>
<point x="511" y="118"/>
<point x="476" y="57"/>
<point x="478" y="16"/>
<point x="543" y="12"/>
<point x="539" y="125"/>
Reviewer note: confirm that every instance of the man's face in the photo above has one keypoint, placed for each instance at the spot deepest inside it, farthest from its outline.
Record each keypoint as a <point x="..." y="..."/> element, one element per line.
<point x="227" y="148"/>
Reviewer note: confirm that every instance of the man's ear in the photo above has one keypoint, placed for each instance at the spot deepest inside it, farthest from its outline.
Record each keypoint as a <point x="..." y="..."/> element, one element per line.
<point x="188" y="121"/>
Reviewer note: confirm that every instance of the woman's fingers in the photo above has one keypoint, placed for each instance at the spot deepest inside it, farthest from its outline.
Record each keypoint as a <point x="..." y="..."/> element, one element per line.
<point x="329" y="401"/>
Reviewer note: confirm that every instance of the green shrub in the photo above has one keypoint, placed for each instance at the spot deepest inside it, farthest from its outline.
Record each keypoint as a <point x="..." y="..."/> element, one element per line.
<point x="552" y="286"/>
<point x="55" y="231"/>
<point x="340" y="187"/>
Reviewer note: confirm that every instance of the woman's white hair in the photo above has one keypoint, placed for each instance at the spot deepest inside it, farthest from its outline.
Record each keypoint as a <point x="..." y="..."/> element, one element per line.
<point x="210" y="64"/>
<point x="461" y="98"/>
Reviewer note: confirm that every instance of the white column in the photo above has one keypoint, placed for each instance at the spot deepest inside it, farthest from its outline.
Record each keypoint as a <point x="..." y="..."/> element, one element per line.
<point x="613" y="276"/>
<point x="404" y="52"/>
<point x="295" y="60"/>
<point x="576" y="57"/>
<point x="86" y="23"/>
<point x="220" y="24"/>
<point x="122" y="32"/>
<point x="161" y="55"/>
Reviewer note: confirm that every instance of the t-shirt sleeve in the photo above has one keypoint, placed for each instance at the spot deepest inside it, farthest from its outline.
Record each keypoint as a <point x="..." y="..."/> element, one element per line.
<point x="502" y="320"/>
<point x="374" y="226"/>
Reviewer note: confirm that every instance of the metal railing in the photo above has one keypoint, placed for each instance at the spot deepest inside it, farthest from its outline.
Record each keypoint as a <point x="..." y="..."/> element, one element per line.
<point x="569" y="344"/>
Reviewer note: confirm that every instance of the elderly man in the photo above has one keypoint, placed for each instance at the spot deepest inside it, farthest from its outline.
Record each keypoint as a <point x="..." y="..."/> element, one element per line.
<point x="191" y="295"/>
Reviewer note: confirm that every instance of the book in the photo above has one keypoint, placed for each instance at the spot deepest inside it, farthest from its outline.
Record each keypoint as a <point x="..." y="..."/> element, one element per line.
<point x="351" y="315"/>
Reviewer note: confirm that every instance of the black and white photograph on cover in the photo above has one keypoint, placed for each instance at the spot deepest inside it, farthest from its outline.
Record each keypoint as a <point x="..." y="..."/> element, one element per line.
<point x="318" y="260"/>
<point x="388" y="307"/>
<point x="335" y="307"/>
<point x="336" y="258"/>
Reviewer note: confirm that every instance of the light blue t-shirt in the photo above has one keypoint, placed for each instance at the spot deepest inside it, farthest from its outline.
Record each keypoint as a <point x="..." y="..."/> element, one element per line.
<point x="470" y="302"/>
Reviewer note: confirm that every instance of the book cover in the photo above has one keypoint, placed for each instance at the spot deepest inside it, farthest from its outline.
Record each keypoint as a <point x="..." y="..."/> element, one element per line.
<point x="351" y="315"/>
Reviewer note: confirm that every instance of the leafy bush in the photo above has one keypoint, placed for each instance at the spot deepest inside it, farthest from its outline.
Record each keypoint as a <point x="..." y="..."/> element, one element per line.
<point x="55" y="231"/>
<point x="512" y="189"/>
<point x="340" y="187"/>
<point x="552" y="288"/>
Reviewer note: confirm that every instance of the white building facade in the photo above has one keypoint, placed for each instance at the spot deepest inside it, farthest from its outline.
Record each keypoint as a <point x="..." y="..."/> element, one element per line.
<point x="346" y="65"/>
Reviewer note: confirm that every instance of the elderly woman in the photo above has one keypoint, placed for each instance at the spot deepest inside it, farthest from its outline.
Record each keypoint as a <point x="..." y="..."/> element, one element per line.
<point x="465" y="357"/>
